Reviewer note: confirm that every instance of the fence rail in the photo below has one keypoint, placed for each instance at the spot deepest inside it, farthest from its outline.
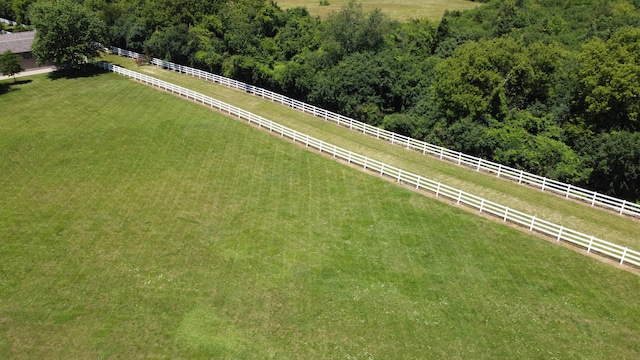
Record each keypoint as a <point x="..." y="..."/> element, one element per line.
<point x="589" y="243"/>
<point x="594" y="199"/>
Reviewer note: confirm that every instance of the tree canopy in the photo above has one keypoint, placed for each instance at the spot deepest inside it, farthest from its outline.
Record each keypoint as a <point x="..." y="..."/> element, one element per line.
<point x="67" y="34"/>
<point x="10" y="64"/>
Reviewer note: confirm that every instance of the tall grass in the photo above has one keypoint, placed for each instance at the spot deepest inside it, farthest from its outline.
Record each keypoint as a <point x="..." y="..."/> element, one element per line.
<point x="135" y="224"/>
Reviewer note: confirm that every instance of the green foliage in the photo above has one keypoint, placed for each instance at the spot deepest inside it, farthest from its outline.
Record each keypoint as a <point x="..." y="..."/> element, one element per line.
<point x="533" y="144"/>
<point x="301" y="33"/>
<point x="68" y="34"/>
<point x="507" y="19"/>
<point x="416" y="38"/>
<point x="355" y="31"/>
<point x="610" y="81"/>
<point x="10" y="63"/>
<point x="615" y="159"/>
<point x="404" y="124"/>
<point x="473" y="83"/>
<point x="6" y="10"/>
<point x="19" y="9"/>
<point x="169" y="44"/>
<point x="364" y="85"/>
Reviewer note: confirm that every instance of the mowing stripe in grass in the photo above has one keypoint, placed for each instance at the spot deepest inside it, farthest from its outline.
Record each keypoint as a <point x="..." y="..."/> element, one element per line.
<point x="583" y="241"/>
<point x="284" y="255"/>
<point x="618" y="229"/>
<point x="557" y="188"/>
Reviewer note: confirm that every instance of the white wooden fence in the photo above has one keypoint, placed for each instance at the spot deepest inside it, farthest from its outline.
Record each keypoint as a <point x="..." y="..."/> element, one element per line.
<point x="622" y="207"/>
<point x="589" y="243"/>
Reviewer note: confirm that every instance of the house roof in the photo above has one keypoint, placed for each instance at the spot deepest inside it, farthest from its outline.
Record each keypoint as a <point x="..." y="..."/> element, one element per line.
<point x="17" y="42"/>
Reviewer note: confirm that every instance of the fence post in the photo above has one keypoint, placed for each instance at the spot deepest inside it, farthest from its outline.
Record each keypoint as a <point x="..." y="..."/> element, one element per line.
<point x="335" y="148"/>
<point x="459" y="158"/>
<point x="622" y="207"/>
<point x="438" y="189"/>
<point x="365" y="163"/>
<point x="520" y="178"/>
<point x="382" y="169"/>
<point x="418" y="182"/>
<point x="560" y="232"/>
<point x="459" y="197"/>
<point x="533" y="219"/>
<point x="593" y="201"/>
<point x="479" y="164"/>
<point x="568" y="191"/>
<point x="544" y="181"/>
<point x="481" y="204"/>
<point x="506" y="213"/>
<point x="424" y="149"/>
<point x="623" y="255"/>
<point x="399" y="174"/>
<point x="590" y="243"/>
<point x="499" y="169"/>
<point x="441" y="152"/>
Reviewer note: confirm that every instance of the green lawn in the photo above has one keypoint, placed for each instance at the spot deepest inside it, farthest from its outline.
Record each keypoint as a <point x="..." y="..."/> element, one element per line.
<point x="605" y="225"/>
<point x="138" y="225"/>
<point x="401" y="10"/>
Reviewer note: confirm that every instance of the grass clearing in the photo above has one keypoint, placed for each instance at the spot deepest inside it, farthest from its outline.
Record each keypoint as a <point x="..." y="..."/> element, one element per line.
<point x="136" y="224"/>
<point x="401" y="10"/>
<point x="605" y="225"/>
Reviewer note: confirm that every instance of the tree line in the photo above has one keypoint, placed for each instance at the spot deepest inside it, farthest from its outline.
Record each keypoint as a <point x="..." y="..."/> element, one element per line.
<point x="548" y="86"/>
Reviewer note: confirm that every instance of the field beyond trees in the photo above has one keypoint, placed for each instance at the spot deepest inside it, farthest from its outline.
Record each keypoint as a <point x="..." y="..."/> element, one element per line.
<point x="401" y="10"/>
<point x="135" y="224"/>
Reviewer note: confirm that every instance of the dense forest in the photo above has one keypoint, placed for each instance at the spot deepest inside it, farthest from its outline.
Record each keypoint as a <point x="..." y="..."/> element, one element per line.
<point x="549" y="86"/>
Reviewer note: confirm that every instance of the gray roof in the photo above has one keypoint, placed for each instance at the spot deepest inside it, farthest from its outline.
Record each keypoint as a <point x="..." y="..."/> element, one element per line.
<point x="17" y="42"/>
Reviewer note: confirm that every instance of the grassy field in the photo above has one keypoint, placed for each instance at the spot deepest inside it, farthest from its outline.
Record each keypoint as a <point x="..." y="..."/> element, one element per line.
<point x="138" y="225"/>
<point x="401" y="10"/>
<point x="577" y="216"/>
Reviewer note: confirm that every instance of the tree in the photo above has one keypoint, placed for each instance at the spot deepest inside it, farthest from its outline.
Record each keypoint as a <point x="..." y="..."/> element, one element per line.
<point x="361" y="86"/>
<point x="10" y="64"/>
<point x="610" y="81"/>
<point x="67" y="34"/>
<point x="169" y="44"/>
<point x="353" y="30"/>
<point x="615" y="160"/>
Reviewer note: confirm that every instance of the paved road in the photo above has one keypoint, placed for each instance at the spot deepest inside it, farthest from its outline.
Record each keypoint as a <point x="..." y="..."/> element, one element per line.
<point x="41" y="70"/>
